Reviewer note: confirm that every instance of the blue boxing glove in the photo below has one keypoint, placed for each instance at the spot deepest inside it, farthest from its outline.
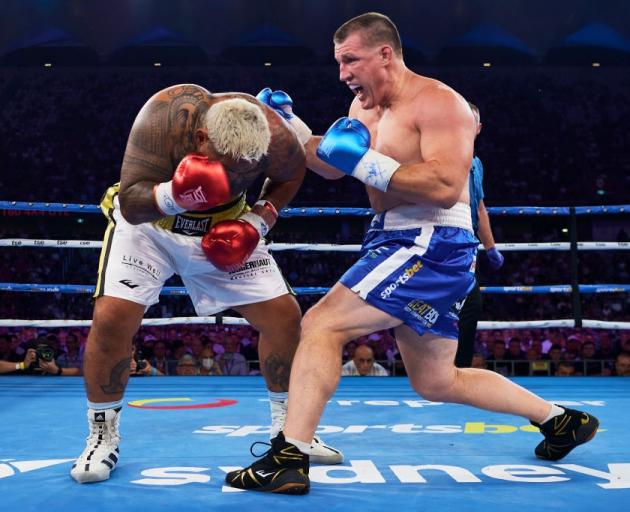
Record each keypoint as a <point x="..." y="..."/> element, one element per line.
<point x="282" y="103"/>
<point x="346" y="146"/>
<point x="495" y="258"/>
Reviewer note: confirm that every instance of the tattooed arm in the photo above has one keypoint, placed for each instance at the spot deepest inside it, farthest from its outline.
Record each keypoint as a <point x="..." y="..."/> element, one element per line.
<point x="160" y="137"/>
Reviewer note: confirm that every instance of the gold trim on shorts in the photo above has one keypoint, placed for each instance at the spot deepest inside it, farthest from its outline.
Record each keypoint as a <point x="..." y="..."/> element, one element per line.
<point x="107" y="207"/>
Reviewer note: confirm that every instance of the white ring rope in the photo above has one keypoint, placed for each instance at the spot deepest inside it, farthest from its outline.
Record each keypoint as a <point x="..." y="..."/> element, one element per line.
<point x="228" y="320"/>
<point x="528" y="246"/>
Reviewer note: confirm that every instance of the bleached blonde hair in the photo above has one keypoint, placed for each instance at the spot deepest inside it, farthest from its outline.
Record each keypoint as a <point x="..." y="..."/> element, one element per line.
<point x="239" y="129"/>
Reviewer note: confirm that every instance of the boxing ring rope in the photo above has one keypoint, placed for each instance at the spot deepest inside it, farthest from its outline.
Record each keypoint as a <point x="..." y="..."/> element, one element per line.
<point x="574" y="246"/>
<point x="505" y="247"/>
<point x="312" y="211"/>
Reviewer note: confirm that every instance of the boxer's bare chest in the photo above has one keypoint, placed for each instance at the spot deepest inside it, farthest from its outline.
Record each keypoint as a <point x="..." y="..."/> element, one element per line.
<point x="394" y="133"/>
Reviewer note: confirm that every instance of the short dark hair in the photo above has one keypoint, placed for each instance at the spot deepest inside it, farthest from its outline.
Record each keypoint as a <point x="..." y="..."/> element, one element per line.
<point x="475" y="110"/>
<point x="377" y="29"/>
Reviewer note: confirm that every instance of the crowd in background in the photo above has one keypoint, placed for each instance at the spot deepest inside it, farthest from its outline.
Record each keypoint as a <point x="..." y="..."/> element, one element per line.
<point x="197" y="349"/>
<point x="550" y="135"/>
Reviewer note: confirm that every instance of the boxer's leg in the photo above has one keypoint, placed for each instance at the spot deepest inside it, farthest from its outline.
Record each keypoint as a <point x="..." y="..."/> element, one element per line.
<point x="108" y="351"/>
<point x="132" y="271"/>
<point x="429" y="363"/>
<point x="339" y="317"/>
<point x="106" y="371"/>
<point x="278" y="322"/>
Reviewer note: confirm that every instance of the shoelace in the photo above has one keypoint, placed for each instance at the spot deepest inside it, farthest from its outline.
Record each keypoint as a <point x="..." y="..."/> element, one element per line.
<point x="97" y="429"/>
<point x="251" y="449"/>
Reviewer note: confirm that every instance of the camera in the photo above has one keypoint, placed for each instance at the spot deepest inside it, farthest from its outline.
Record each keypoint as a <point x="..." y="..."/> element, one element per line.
<point x="44" y="352"/>
<point x="141" y="364"/>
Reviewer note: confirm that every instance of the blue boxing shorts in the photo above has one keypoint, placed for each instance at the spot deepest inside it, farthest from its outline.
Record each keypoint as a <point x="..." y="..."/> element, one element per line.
<point x="422" y="274"/>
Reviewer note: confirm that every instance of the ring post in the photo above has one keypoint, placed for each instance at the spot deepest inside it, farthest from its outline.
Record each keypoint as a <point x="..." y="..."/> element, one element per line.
<point x="575" y="287"/>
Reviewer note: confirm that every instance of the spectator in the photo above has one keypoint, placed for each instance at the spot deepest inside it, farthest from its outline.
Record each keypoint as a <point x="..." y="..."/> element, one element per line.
<point x="590" y="365"/>
<point x="72" y="357"/>
<point x="565" y="369"/>
<point x="187" y="365"/>
<point x="363" y="364"/>
<point x="231" y="361"/>
<point x="348" y="350"/>
<point x="141" y="366"/>
<point x="159" y="361"/>
<point x="5" y="347"/>
<point x="622" y="365"/>
<point x="39" y="358"/>
<point x="11" y="366"/>
<point x="478" y="361"/>
<point x="554" y="356"/>
<point x="209" y="364"/>
<point x="498" y="358"/>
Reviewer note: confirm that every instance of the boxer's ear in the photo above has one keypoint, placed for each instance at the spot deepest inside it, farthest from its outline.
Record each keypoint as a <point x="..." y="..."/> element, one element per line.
<point x="201" y="136"/>
<point x="386" y="53"/>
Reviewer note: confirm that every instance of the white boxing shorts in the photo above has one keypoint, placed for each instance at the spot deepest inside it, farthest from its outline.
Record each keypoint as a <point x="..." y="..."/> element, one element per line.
<point x="136" y="261"/>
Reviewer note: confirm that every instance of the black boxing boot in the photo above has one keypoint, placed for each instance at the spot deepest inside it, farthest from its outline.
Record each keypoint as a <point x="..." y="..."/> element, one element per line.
<point x="283" y="469"/>
<point x="565" y="432"/>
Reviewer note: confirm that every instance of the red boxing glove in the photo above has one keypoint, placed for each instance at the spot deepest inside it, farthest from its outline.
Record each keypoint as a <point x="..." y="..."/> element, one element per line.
<point x="230" y="243"/>
<point x="198" y="184"/>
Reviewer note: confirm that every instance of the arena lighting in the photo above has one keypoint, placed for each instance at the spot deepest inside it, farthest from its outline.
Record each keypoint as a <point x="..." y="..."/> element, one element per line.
<point x="596" y="64"/>
<point x="487" y="64"/>
<point x="565" y="230"/>
<point x="157" y="64"/>
<point x="48" y="64"/>
<point x="267" y="64"/>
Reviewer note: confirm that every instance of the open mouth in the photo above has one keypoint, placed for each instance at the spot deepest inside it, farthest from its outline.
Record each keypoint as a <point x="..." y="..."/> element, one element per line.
<point x="356" y="89"/>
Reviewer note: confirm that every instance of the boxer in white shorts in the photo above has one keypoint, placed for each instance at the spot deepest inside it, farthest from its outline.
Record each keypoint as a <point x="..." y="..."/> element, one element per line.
<point x="142" y="258"/>
<point x="180" y="208"/>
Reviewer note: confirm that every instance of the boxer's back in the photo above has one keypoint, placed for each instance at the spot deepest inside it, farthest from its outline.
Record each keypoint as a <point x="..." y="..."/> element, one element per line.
<point x="164" y="129"/>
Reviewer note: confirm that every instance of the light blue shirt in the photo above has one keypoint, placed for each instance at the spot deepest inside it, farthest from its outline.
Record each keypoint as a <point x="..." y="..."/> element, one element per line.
<point x="475" y="187"/>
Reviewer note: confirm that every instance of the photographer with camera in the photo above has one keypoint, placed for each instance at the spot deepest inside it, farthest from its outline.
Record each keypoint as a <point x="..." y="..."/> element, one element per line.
<point x="140" y="365"/>
<point x="10" y="366"/>
<point x="39" y="358"/>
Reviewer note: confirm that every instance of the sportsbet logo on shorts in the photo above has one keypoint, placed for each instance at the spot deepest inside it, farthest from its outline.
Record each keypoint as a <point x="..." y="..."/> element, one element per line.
<point x="407" y="274"/>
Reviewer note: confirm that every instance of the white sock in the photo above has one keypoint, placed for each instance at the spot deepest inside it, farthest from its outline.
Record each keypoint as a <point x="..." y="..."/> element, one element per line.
<point x="105" y="405"/>
<point x="278" y="396"/>
<point x="300" y="445"/>
<point x="278" y="408"/>
<point x="555" y="411"/>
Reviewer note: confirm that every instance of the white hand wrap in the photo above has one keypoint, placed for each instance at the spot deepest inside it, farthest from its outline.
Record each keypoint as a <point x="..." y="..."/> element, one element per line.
<point x="164" y="200"/>
<point x="302" y="131"/>
<point x="259" y="222"/>
<point x="375" y="169"/>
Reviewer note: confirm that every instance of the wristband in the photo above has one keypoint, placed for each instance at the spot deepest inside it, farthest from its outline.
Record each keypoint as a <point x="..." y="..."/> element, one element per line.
<point x="20" y="366"/>
<point x="164" y="200"/>
<point x="375" y="169"/>
<point x="262" y="216"/>
<point x="153" y="372"/>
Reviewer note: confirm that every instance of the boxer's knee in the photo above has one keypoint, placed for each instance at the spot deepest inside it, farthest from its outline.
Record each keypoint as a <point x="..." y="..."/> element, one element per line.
<point x="435" y="388"/>
<point x="280" y="321"/>
<point x="114" y="323"/>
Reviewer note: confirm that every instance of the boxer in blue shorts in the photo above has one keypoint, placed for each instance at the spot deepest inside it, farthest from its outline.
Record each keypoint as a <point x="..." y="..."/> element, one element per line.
<point x="410" y="139"/>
